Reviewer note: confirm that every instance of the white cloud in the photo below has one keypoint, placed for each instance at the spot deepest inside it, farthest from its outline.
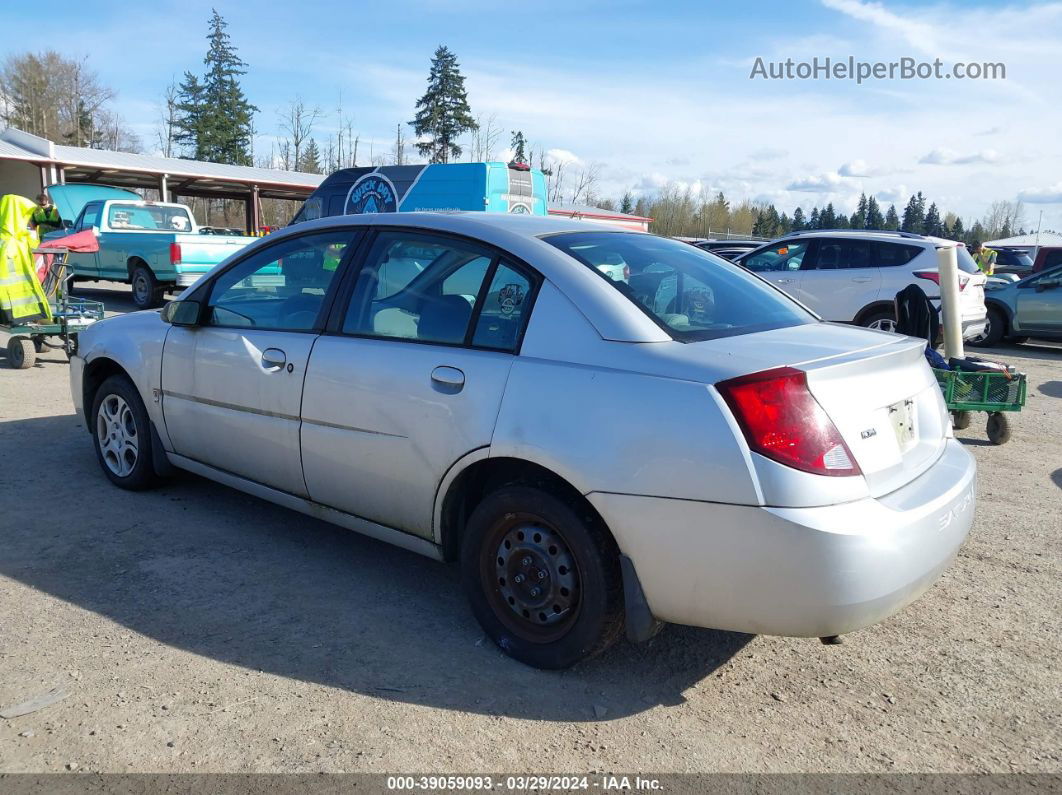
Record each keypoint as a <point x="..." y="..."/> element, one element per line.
<point x="816" y="183"/>
<point x="854" y="168"/>
<point x="918" y="34"/>
<point x="892" y="195"/>
<point x="949" y="157"/>
<point x="1048" y="195"/>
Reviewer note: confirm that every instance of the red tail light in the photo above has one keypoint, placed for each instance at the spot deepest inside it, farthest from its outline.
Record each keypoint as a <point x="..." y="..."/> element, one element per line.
<point x="175" y="253"/>
<point x="934" y="276"/>
<point x="782" y="420"/>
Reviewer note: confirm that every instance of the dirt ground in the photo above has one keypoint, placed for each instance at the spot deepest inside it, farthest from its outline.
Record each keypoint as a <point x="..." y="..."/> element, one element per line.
<point x="197" y="629"/>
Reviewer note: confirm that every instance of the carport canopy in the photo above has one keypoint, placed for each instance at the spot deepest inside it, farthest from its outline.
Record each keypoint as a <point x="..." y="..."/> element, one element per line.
<point x="28" y="163"/>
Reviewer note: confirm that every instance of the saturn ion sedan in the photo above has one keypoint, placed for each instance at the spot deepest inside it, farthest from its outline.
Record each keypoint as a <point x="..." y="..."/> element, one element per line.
<point x="687" y="444"/>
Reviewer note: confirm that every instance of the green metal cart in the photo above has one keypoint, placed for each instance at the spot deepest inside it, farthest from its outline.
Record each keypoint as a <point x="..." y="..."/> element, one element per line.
<point x="990" y="391"/>
<point x="70" y="316"/>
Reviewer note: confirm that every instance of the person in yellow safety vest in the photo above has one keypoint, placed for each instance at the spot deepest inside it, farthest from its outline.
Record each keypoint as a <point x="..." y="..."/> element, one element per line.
<point x="22" y="299"/>
<point x="46" y="217"/>
<point x="985" y="258"/>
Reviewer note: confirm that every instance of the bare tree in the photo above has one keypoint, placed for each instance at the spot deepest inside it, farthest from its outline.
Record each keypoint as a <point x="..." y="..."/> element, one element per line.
<point x="398" y="154"/>
<point x="167" y="121"/>
<point x="55" y="97"/>
<point x="586" y="181"/>
<point x="297" y="122"/>
<point x="485" y="137"/>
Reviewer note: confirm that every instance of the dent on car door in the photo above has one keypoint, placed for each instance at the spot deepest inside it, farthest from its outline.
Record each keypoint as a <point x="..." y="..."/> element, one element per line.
<point x="232" y="386"/>
<point x="413" y="376"/>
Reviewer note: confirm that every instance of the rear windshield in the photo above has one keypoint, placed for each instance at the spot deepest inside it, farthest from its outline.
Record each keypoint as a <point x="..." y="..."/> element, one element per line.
<point x="966" y="262"/>
<point x="692" y="294"/>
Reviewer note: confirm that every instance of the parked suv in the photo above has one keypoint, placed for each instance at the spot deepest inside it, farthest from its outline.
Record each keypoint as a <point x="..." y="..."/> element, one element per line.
<point x="853" y="276"/>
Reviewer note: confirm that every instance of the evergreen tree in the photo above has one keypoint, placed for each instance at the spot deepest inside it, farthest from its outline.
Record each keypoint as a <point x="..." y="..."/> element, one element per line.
<point x="859" y="217"/>
<point x="914" y="214"/>
<point x="815" y="222"/>
<point x="310" y="162"/>
<point x="627" y="205"/>
<point x="759" y="226"/>
<point x="874" y="220"/>
<point x="828" y="217"/>
<point x="519" y="147"/>
<point x="443" y="114"/>
<point x="932" y="225"/>
<point x="892" y="220"/>
<point x="188" y="119"/>
<point x="798" y="220"/>
<point x="214" y="117"/>
<point x="958" y="232"/>
<point x="976" y="234"/>
<point x="785" y="225"/>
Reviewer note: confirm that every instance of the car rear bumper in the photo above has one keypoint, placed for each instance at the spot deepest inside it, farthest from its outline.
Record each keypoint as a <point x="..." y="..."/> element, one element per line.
<point x="795" y="571"/>
<point x="972" y="328"/>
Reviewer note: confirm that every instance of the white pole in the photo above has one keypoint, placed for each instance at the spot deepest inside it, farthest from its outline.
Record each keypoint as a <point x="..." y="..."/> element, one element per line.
<point x="951" y="315"/>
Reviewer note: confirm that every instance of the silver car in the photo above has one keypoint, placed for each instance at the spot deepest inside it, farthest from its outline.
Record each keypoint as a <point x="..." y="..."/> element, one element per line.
<point x="687" y="445"/>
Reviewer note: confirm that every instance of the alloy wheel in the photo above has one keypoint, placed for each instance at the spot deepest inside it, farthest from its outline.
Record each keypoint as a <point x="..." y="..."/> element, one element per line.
<point x="116" y="435"/>
<point x="884" y="324"/>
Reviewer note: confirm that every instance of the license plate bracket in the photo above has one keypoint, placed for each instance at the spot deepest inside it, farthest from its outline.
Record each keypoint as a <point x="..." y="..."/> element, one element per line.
<point x="902" y="419"/>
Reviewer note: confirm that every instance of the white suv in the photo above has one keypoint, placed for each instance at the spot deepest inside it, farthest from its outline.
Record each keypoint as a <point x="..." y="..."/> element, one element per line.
<point x="853" y="276"/>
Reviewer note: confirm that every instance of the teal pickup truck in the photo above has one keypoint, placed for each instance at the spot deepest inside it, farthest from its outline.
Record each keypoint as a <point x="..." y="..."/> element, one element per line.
<point x="153" y="246"/>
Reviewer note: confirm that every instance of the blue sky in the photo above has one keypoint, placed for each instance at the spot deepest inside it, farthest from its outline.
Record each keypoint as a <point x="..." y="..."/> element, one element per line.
<point x="652" y="92"/>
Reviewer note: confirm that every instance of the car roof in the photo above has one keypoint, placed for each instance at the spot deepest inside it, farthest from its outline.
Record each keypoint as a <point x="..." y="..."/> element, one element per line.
<point x="607" y="309"/>
<point x="873" y="234"/>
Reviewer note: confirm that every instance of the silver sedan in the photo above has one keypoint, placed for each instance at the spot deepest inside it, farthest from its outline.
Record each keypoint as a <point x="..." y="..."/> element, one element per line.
<point x="686" y="444"/>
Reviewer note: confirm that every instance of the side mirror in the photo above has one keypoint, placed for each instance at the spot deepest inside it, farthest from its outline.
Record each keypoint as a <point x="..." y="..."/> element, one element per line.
<point x="181" y="313"/>
<point x="1046" y="284"/>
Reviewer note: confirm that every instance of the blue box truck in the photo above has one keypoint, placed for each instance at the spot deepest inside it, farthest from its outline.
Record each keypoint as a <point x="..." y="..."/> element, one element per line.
<point x="438" y="187"/>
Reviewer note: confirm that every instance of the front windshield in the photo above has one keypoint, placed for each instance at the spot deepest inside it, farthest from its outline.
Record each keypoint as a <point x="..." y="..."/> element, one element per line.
<point x="692" y="294"/>
<point x="149" y="217"/>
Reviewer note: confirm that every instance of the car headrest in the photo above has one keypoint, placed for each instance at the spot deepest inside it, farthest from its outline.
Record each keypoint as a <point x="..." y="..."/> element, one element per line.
<point x="444" y="319"/>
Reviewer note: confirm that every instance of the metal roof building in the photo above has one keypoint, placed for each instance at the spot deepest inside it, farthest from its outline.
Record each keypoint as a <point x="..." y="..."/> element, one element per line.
<point x="1032" y="240"/>
<point x="28" y="163"/>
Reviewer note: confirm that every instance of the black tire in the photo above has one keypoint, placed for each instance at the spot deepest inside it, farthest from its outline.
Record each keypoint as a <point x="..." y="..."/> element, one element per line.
<point x="21" y="353"/>
<point x="961" y="420"/>
<point x="998" y="428"/>
<point x="995" y="330"/>
<point x="1017" y="340"/>
<point x="579" y="613"/>
<point x="133" y="472"/>
<point x="147" y="294"/>
<point x="882" y="319"/>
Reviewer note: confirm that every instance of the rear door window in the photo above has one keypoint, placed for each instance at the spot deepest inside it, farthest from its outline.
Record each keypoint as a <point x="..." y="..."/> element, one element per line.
<point x="842" y="254"/>
<point x="890" y="255"/>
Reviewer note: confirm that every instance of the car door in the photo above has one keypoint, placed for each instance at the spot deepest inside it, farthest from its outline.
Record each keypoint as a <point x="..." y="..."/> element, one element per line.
<point x="86" y="264"/>
<point x="232" y="385"/>
<point x="1039" y="303"/>
<point x="410" y="377"/>
<point x="780" y="263"/>
<point x="840" y="278"/>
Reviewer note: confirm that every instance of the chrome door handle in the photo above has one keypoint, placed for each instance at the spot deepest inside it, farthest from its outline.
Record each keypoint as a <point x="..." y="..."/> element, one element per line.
<point x="861" y="278"/>
<point x="448" y="379"/>
<point x="273" y="358"/>
<point x="785" y="281"/>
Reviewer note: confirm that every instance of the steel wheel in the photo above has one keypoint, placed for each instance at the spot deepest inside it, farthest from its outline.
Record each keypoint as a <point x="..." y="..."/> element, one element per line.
<point x="117" y="436"/>
<point x="538" y="584"/>
<point x="141" y="288"/>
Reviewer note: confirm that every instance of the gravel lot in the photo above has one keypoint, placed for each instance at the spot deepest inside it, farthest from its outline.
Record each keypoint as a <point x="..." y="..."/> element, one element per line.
<point x="197" y="629"/>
